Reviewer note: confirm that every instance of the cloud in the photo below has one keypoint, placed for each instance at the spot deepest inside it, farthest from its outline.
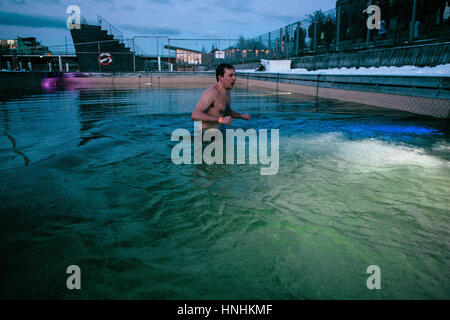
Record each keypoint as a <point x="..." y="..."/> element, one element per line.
<point x="49" y="1"/>
<point x="235" y="6"/>
<point x="19" y="2"/>
<point x="31" y="21"/>
<point x="231" y="22"/>
<point x="203" y="9"/>
<point x="160" y="1"/>
<point x="284" y="18"/>
<point x="128" y="8"/>
<point x="148" y="30"/>
<point x="209" y="34"/>
<point x="22" y="2"/>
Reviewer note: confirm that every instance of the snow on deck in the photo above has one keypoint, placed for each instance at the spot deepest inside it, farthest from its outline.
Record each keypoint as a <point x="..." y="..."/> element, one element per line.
<point x="442" y="70"/>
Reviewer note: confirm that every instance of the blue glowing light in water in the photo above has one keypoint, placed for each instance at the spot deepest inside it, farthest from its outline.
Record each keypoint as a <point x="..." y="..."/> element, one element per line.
<point x="391" y="129"/>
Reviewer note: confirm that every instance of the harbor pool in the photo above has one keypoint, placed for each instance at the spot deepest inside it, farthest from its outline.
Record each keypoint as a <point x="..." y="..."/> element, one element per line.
<point x="86" y="179"/>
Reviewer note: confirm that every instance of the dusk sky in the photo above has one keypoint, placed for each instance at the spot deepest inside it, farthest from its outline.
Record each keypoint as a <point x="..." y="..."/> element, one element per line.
<point x="46" y="19"/>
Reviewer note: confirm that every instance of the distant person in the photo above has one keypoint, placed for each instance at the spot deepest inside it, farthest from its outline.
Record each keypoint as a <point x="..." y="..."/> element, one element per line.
<point x="387" y="13"/>
<point x="328" y="31"/>
<point x="311" y="35"/>
<point x="442" y="6"/>
<point x="345" y="25"/>
<point x="214" y="106"/>
<point x="403" y="9"/>
<point x="286" y="43"/>
<point x="358" y="21"/>
<point x="312" y="30"/>
<point x="301" y="39"/>
<point x="431" y="14"/>
<point x="301" y="45"/>
<point x="423" y="17"/>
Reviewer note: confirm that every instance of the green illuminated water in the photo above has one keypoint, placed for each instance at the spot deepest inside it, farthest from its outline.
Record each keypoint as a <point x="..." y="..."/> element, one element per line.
<point x="86" y="179"/>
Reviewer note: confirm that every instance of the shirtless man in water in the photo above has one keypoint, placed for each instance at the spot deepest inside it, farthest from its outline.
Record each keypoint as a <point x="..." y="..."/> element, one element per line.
<point x="214" y="106"/>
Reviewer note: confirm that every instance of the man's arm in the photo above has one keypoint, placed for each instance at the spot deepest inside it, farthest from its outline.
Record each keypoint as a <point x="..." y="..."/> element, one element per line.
<point x="237" y="115"/>
<point x="199" y="113"/>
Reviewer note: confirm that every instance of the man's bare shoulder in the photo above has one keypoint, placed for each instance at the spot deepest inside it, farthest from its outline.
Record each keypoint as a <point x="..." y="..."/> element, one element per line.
<point x="211" y="92"/>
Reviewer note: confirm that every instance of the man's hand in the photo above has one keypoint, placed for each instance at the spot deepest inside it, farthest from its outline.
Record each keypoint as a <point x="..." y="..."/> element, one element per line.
<point x="246" y="116"/>
<point x="227" y="120"/>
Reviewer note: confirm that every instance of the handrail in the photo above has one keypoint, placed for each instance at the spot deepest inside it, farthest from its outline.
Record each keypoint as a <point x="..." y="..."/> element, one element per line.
<point x="119" y="36"/>
<point x="138" y="51"/>
<point x="111" y="28"/>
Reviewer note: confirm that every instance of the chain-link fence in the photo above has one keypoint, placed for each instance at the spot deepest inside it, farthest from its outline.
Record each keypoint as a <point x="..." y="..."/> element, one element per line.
<point x="344" y="28"/>
<point x="293" y="40"/>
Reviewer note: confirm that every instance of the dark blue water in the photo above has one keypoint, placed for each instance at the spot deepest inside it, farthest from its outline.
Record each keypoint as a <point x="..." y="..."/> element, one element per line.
<point x="86" y="179"/>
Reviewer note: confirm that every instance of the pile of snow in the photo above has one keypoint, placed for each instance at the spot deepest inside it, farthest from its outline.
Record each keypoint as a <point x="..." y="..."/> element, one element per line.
<point x="276" y="65"/>
<point x="442" y="70"/>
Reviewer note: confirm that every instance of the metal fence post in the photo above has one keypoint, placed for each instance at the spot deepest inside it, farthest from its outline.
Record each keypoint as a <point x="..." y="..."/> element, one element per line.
<point x="59" y="62"/>
<point x="168" y="51"/>
<point x="281" y="47"/>
<point x="286" y="41"/>
<point x="338" y="26"/>
<point x="134" y="58"/>
<point x="98" y="57"/>
<point x="413" y="21"/>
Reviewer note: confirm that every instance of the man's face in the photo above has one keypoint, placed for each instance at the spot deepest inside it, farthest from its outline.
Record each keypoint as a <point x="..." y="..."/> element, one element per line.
<point x="228" y="79"/>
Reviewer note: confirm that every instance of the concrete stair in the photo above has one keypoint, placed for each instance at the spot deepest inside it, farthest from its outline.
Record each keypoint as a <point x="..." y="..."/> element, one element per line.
<point x="91" y="40"/>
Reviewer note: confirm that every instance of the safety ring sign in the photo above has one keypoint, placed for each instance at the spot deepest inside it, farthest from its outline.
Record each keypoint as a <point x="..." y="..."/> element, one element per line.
<point x="105" y="59"/>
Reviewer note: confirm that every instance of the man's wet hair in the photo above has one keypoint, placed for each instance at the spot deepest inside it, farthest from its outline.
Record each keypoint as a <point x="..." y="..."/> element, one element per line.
<point x="220" y="70"/>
